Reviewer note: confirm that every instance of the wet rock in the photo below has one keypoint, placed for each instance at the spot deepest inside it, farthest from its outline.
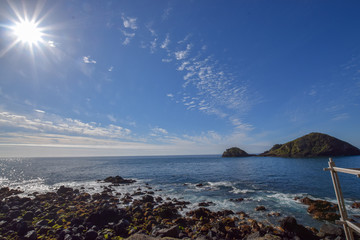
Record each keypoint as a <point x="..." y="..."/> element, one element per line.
<point x="121" y="228"/>
<point x="356" y="205"/>
<point x="254" y="235"/>
<point x="5" y="208"/>
<point x="64" y="190"/>
<point x="28" y="216"/>
<point x="199" y="185"/>
<point x="274" y="214"/>
<point x="31" y="235"/>
<point x="167" y="211"/>
<point x="14" y="214"/>
<point x="200" y="213"/>
<point x="206" y="204"/>
<point x="260" y="208"/>
<point x="330" y="230"/>
<point x="91" y="235"/>
<point x="21" y="228"/>
<point x="118" y="180"/>
<point x="172" y="232"/>
<point x="291" y="227"/>
<point x="236" y="200"/>
<point x="104" y="216"/>
<point x="139" y="236"/>
<point x="321" y="209"/>
<point x="42" y="223"/>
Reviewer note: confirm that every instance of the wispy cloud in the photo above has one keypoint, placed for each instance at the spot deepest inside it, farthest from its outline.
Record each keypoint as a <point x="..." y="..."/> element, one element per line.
<point x="166" y="13"/>
<point x="130" y="26"/>
<point x="158" y="131"/>
<point x="87" y="59"/>
<point x="53" y="124"/>
<point x="166" y="42"/>
<point x="51" y="44"/>
<point x="111" y="118"/>
<point x="129" y="22"/>
<point x="111" y="68"/>
<point x="180" y="55"/>
<point x="341" y="116"/>
<point x="39" y="111"/>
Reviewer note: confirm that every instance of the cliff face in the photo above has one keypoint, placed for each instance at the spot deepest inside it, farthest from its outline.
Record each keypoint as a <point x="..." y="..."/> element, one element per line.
<point x="313" y="145"/>
<point x="235" y="152"/>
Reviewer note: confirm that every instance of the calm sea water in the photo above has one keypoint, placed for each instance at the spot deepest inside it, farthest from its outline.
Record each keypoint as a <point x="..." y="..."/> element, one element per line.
<point x="271" y="182"/>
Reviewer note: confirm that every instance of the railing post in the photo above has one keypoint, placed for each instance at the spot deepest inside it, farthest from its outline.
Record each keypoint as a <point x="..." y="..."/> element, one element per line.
<point x="340" y="199"/>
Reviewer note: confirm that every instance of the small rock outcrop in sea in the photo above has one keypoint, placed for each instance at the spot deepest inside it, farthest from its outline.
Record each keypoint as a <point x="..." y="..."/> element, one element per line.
<point x="313" y="145"/>
<point x="235" y="152"/>
<point x="118" y="180"/>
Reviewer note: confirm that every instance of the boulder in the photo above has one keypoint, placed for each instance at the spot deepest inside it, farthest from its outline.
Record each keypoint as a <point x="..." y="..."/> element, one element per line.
<point x="356" y="205"/>
<point x="321" y="209"/>
<point x="330" y="230"/>
<point x="291" y="227"/>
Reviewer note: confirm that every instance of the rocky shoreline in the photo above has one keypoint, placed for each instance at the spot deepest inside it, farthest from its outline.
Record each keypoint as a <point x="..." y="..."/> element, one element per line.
<point x="73" y="214"/>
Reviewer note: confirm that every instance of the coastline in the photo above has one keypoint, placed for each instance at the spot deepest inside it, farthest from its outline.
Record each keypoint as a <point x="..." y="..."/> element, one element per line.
<point x="69" y="213"/>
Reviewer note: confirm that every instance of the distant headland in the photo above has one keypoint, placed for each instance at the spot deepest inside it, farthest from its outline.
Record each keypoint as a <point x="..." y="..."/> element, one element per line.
<point x="310" y="145"/>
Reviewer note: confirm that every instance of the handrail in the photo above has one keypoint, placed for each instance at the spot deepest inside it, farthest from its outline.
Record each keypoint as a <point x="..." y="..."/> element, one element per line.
<point x="349" y="226"/>
<point x="354" y="171"/>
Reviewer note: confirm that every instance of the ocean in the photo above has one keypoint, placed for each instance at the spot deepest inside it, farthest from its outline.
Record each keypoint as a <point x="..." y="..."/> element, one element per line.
<point x="267" y="181"/>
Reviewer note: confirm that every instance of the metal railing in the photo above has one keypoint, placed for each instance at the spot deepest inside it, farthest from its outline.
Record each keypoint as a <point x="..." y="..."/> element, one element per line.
<point x="349" y="226"/>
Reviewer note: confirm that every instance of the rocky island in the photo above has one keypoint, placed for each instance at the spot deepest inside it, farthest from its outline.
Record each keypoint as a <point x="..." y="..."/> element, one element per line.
<point x="313" y="145"/>
<point x="235" y="152"/>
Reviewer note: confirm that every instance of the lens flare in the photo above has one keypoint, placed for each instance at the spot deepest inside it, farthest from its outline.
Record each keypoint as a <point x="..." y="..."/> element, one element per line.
<point x="27" y="32"/>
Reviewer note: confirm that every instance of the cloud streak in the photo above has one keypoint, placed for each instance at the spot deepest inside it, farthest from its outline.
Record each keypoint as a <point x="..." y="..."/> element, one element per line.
<point x="62" y="126"/>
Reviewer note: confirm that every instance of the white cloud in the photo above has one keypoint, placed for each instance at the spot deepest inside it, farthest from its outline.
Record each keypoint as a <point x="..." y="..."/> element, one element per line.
<point x="153" y="45"/>
<point x="238" y="124"/>
<point x="126" y="41"/>
<point x="166" y="42"/>
<point x="167" y="60"/>
<point x="129" y="22"/>
<point x="39" y="111"/>
<point x="341" y="116"/>
<point x="51" y="44"/>
<point x="170" y="95"/>
<point x="183" y="65"/>
<point x="51" y="124"/>
<point x="180" y="55"/>
<point x="110" y="68"/>
<point x="87" y="59"/>
<point x="158" y="131"/>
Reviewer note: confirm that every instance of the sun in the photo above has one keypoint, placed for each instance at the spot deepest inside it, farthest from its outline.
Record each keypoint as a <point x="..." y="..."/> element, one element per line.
<point x="27" y="32"/>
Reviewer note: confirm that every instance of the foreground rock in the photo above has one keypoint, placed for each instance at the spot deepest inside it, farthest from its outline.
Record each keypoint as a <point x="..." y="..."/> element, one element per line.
<point x="313" y="145"/>
<point x="71" y="214"/>
<point x="235" y="152"/>
<point x="321" y="209"/>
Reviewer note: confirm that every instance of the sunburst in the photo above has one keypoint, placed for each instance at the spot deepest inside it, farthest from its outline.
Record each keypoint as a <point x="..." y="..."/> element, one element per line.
<point x="25" y="31"/>
<point x="28" y="32"/>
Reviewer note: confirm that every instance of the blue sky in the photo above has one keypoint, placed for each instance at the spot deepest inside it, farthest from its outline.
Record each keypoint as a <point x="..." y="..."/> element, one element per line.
<point x="176" y="77"/>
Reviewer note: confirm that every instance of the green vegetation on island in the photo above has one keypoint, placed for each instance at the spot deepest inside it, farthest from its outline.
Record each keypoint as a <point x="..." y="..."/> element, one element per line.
<point x="313" y="145"/>
<point x="310" y="145"/>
